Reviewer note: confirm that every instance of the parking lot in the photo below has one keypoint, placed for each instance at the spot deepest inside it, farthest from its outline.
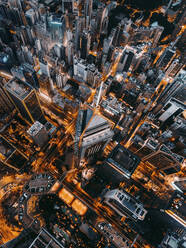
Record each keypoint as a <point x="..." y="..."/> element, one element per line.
<point x="40" y="184"/>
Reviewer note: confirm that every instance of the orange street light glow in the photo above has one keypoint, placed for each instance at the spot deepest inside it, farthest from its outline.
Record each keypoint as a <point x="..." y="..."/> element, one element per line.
<point x="79" y="207"/>
<point x="66" y="196"/>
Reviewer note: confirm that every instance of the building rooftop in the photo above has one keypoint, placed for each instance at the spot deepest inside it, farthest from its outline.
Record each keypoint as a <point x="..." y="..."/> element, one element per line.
<point x="5" y="149"/>
<point x="35" y="128"/>
<point x="18" y="88"/>
<point x="96" y="122"/>
<point x="116" y="238"/>
<point x="124" y="159"/>
<point x="45" y="239"/>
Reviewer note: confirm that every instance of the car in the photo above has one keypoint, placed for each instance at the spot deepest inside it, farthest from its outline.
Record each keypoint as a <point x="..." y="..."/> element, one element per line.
<point x="100" y="226"/>
<point x="25" y="195"/>
<point x="20" y="210"/>
<point x="21" y="199"/>
<point x="20" y="217"/>
<point x="41" y="189"/>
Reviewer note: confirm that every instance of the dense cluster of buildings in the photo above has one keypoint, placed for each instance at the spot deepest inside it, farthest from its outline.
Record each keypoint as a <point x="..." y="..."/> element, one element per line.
<point x="93" y="93"/>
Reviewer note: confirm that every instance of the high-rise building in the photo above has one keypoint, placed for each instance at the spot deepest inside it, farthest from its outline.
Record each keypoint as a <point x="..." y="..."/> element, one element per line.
<point x="38" y="133"/>
<point x="67" y="6"/>
<point x="45" y="239"/>
<point x="93" y="76"/>
<point x="179" y="21"/>
<point x="25" y="99"/>
<point x="179" y="184"/>
<point x="174" y="239"/>
<point x="30" y="75"/>
<point x="157" y="32"/>
<point x="44" y="67"/>
<point x="69" y="52"/>
<point x="6" y="62"/>
<point x="106" y="44"/>
<point x="45" y="86"/>
<point x="125" y="60"/>
<point x="80" y="69"/>
<point x="166" y="58"/>
<point x="110" y="233"/>
<point x="99" y="13"/>
<point x="103" y="28"/>
<point x="117" y="35"/>
<point x="177" y="89"/>
<point x="170" y="104"/>
<point x="180" y="41"/>
<point x="30" y="16"/>
<point x="56" y="27"/>
<point x="4" y="10"/>
<point x="80" y="25"/>
<point x="61" y="80"/>
<point x="143" y="148"/>
<point x="175" y="208"/>
<point x="26" y="35"/>
<point x="174" y="68"/>
<point x="160" y="157"/>
<point x="88" y="10"/>
<point x="17" y="72"/>
<point x="15" y="4"/>
<point x="170" y="111"/>
<point x="93" y="133"/>
<point x="6" y="106"/>
<point x="164" y="160"/>
<point x="84" y="44"/>
<point x="125" y="204"/>
<point x="130" y="97"/>
<point x="10" y="156"/>
<point x="121" y="163"/>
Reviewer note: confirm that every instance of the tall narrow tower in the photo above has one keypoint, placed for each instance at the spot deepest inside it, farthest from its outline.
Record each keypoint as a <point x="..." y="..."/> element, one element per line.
<point x="93" y="133"/>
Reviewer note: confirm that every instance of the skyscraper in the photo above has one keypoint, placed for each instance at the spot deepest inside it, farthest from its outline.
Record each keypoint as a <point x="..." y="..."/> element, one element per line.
<point x="67" y="6"/>
<point x="80" y="70"/>
<point x="165" y="59"/>
<point x="121" y="163"/>
<point x="69" y="52"/>
<point x="10" y="156"/>
<point x="143" y="148"/>
<point x="176" y="89"/>
<point x="157" y="31"/>
<point x="6" y="105"/>
<point x="45" y="239"/>
<point x="30" y="75"/>
<point x="164" y="160"/>
<point x="180" y="184"/>
<point x="125" y="60"/>
<point x="88" y="12"/>
<point x="170" y="111"/>
<point x="84" y="44"/>
<point x="93" y="132"/>
<point x="25" y="99"/>
<point x="170" y="104"/>
<point x="125" y="204"/>
<point x="39" y="134"/>
<point x="174" y="68"/>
